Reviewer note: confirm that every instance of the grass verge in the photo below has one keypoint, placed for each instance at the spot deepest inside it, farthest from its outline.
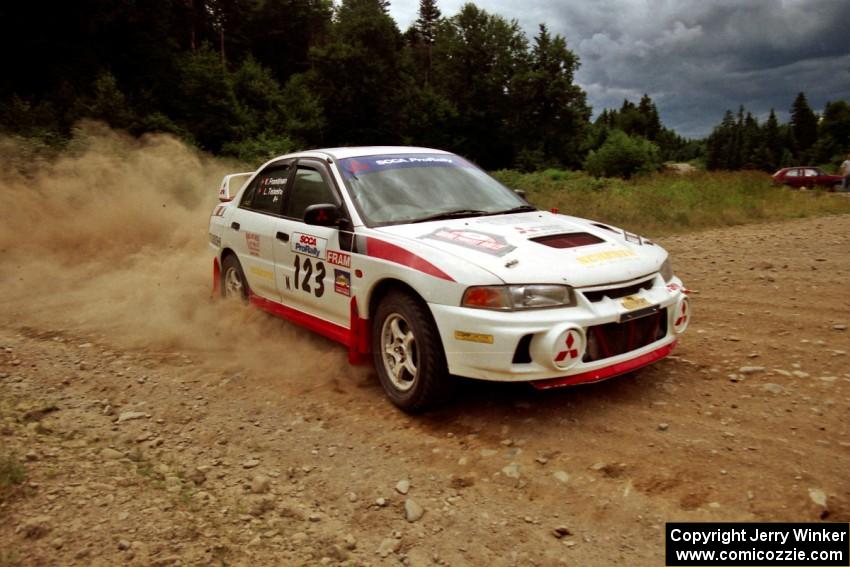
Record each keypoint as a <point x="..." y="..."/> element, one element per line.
<point x="668" y="203"/>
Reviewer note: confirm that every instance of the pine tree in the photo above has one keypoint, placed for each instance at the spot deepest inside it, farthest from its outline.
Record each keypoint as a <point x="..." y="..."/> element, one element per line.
<point x="751" y="142"/>
<point x="426" y="23"/>
<point x="833" y="133"/>
<point x="652" y="122"/>
<point x="721" y="144"/>
<point x="551" y="110"/>
<point x="772" y="140"/>
<point x="477" y="55"/>
<point x="356" y="75"/>
<point x="804" y="123"/>
<point x="426" y="31"/>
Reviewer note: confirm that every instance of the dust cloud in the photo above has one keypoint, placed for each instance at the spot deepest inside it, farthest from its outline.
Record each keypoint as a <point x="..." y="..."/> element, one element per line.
<point x="108" y="240"/>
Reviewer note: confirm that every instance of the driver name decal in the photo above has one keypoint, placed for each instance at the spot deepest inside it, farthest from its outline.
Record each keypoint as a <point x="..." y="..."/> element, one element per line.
<point x="309" y="245"/>
<point x="474" y="240"/>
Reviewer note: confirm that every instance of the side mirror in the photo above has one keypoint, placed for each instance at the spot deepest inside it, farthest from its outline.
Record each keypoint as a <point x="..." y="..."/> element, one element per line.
<point x="321" y="215"/>
<point x="521" y="193"/>
<point x="231" y="184"/>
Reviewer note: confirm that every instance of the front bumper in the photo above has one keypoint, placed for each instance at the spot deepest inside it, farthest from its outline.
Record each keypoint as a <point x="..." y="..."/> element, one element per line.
<point x="595" y="340"/>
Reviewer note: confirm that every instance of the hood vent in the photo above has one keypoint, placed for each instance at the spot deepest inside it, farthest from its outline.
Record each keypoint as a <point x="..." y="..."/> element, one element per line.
<point x="606" y="227"/>
<point x="571" y="240"/>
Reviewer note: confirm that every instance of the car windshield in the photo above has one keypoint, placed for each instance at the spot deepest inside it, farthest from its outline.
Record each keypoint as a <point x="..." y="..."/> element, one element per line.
<point x="404" y="188"/>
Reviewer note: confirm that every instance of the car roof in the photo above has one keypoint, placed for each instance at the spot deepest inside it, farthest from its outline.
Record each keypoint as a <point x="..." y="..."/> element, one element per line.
<point x="362" y="151"/>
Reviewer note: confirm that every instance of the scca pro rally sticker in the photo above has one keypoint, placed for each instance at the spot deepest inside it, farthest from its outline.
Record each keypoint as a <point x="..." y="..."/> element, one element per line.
<point x="309" y="245"/>
<point x="353" y="167"/>
<point x="473" y="239"/>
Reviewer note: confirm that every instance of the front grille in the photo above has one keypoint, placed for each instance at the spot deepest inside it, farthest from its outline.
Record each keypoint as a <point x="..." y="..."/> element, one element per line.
<point x="617" y="292"/>
<point x="612" y="339"/>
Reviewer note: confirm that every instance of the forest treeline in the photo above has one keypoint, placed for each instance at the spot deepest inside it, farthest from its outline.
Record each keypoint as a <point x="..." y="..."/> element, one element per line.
<point x="741" y="142"/>
<point x="254" y="78"/>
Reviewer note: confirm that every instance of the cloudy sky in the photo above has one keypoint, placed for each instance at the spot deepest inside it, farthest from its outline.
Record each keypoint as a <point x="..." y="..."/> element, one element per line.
<point x="695" y="58"/>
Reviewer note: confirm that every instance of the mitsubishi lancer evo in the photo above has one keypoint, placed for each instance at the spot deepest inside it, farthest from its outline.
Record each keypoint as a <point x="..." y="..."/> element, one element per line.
<point x="420" y="261"/>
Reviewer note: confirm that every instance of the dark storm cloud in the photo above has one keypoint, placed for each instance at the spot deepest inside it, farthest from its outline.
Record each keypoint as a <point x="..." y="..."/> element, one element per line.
<point x="695" y="58"/>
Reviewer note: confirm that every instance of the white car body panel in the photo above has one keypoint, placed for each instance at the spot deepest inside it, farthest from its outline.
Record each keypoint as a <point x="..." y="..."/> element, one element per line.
<point x="439" y="260"/>
<point x="613" y="260"/>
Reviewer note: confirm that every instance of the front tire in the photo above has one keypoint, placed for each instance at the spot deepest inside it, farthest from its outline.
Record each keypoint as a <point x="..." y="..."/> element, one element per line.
<point x="408" y="353"/>
<point x="233" y="282"/>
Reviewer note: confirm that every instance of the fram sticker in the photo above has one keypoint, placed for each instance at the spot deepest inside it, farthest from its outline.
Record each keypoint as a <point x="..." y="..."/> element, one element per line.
<point x="481" y="241"/>
<point x="309" y="245"/>
<point x="342" y="282"/>
<point x="253" y="242"/>
<point x="215" y="240"/>
<point x="339" y="258"/>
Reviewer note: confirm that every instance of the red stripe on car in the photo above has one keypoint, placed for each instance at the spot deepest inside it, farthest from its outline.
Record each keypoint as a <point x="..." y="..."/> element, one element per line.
<point x="356" y="338"/>
<point x="327" y="329"/>
<point x="606" y="372"/>
<point x="384" y="250"/>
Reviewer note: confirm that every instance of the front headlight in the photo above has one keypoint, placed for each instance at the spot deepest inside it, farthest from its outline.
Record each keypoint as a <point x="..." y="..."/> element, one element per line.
<point x="666" y="270"/>
<point x="513" y="297"/>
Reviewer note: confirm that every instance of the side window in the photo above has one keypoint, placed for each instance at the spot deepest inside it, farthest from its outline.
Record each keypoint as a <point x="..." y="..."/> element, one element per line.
<point x="793" y="173"/>
<point x="309" y="187"/>
<point x="811" y="173"/>
<point x="266" y="192"/>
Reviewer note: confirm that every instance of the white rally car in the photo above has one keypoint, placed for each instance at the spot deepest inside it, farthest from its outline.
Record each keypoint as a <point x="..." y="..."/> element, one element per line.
<point x="424" y="261"/>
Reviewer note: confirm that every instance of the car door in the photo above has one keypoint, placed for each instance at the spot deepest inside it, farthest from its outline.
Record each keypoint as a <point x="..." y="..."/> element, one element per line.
<point x="810" y="176"/>
<point x="794" y="178"/>
<point x="821" y="178"/>
<point x="253" y="226"/>
<point x="313" y="271"/>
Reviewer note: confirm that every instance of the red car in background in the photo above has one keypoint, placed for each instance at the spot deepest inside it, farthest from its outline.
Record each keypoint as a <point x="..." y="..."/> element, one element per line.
<point x="806" y="177"/>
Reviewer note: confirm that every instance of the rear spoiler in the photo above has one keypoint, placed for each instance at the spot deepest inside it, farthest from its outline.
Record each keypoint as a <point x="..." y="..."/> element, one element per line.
<point x="231" y="184"/>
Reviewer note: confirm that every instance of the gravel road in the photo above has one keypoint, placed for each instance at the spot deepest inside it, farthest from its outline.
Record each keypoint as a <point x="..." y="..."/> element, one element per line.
<point x="156" y="429"/>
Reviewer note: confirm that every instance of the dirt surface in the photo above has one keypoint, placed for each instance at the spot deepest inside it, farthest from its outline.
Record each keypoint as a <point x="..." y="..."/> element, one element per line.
<point x="157" y="427"/>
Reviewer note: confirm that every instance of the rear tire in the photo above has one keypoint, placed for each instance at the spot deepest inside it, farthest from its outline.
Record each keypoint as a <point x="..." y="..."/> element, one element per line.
<point x="408" y="353"/>
<point x="233" y="282"/>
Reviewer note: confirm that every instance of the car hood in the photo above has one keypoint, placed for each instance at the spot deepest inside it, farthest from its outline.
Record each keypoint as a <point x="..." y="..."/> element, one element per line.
<point x="539" y="247"/>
